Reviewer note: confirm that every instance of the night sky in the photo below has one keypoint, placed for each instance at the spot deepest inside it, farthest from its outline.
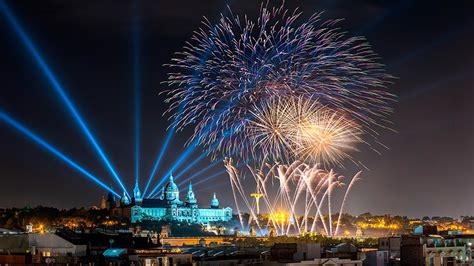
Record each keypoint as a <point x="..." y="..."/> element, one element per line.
<point x="427" y="45"/>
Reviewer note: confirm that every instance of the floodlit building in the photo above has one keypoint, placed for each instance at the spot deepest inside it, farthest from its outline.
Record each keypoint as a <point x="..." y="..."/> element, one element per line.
<point x="170" y="207"/>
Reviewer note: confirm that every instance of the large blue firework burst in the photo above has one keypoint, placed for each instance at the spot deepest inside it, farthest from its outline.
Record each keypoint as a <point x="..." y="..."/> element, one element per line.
<point x="239" y="63"/>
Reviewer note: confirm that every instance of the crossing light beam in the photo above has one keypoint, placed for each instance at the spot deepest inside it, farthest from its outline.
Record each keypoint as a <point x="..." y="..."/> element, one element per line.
<point x="58" y="88"/>
<point x="41" y="142"/>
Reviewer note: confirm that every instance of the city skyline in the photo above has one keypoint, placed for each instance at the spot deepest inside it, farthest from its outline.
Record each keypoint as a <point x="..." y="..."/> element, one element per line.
<point x="91" y="52"/>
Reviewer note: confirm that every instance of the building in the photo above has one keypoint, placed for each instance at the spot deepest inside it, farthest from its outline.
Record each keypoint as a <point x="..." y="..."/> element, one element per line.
<point x="170" y="207"/>
<point x="328" y="262"/>
<point x="345" y="251"/>
<point x="387" y="254"/>
<point x="435" y="250"/>
<point x="39" y="248"/>
<point x="295" y="252"/>
<point x="377" y="258"/>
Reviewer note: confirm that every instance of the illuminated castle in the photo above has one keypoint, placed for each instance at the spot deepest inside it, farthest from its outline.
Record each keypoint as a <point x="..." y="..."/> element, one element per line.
<point x="170" y="207"/>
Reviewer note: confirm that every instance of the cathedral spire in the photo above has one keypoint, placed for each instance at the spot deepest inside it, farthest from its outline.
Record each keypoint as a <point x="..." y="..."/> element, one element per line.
<point x="162" y="197"/>
<point x="191" y="199"/>
<point x="125" y="199"/>
<point x="136" y="193"/>
<point x="214" y="202"/>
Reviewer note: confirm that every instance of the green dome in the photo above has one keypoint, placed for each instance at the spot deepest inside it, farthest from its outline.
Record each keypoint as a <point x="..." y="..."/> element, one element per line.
<point x="171" y="190"/>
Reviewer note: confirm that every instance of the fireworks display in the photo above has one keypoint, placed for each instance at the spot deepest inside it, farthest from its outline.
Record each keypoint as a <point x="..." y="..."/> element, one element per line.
<point x="238" y="63"/>
<point x="301" y="129"/>
<point x="297" y="185"/>
<point x="291" y="95"/>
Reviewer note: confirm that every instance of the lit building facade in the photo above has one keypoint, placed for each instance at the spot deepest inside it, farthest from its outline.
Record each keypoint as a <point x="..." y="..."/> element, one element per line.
<point x="170" y="207"/>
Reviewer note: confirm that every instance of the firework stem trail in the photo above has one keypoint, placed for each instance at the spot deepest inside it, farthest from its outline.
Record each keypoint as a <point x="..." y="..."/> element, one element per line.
<point x="354" y="179"/>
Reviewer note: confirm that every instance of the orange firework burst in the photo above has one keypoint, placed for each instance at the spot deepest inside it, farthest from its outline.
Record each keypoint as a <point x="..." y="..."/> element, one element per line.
<point x="304" y="129"/>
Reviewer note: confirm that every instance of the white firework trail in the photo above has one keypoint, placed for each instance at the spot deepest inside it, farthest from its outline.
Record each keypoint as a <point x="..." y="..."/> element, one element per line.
<point x="296" y="184"/>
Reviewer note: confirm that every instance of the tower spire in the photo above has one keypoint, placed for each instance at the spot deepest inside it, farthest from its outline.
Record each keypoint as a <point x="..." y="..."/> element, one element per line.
<point x="137" y="195"/>
<point x="191" y="198"/>
<point x="214" y="202"/>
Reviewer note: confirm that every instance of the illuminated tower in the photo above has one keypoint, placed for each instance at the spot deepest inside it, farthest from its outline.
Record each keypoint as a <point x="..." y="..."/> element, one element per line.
<point x="136" y="193"/>
<point x="214" y="202"/>
<point x="103" y="203"/>
<point x="162" y="196"/>
<point x="172" y="191"/>
<point x="190" y="198"/>
<point x="125" y="199"/>
<point x="257" y="197"/>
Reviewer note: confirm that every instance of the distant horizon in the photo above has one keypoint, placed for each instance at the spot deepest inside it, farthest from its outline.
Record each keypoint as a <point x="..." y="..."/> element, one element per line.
<point x="246" y="213"/>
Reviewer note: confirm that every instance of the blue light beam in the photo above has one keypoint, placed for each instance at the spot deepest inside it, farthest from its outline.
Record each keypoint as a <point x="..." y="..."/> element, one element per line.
<point x="160" y="157"/>
<point x="205" y="169"/>
<point x="137" y="86"/>
<point x="170" y="134"/>
<point x="216" y="175"/>
<point x="210" y="177"/>
<point x="190" y="165"/>
<point x="28" y="133"/>
<point x="211" y="187"/>
<point x="178" y="162"/>
<point x="194" y="162"/>
<point x="54" y="82"/>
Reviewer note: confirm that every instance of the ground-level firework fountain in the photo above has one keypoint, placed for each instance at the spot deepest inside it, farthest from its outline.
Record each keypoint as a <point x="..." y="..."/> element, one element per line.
<point x="284" y="188"/>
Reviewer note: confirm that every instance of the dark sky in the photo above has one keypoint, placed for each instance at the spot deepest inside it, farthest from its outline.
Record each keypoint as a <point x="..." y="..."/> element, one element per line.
<point x="427" y="45"/>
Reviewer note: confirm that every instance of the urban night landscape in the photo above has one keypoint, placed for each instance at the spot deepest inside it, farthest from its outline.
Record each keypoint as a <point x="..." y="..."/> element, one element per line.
<point x="220" y="132"/>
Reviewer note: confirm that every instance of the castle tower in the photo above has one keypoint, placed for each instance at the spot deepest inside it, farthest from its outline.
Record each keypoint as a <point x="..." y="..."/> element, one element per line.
<point x="190" y="198"/>
<point x="214" y="202"/>
<point x="171" y="191"/>
<point x="162" y="196"/>
<point x="103" y="203"/>
<point x="137" y="194"/>
<point x="125" y="199"/>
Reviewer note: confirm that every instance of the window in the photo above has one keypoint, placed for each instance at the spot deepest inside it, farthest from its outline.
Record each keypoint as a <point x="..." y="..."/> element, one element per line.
<point x="450" y="261"/>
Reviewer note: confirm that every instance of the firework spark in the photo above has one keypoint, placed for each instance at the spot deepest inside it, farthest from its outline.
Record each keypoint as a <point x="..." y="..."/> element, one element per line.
<point x="238" y="63"/>
<point x="328" y="137"/>
<point x="297" y="184"/>
<point x="286" y="129"/>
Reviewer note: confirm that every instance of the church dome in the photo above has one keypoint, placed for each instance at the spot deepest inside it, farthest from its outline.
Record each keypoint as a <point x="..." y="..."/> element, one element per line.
<point x="171" y="186"/>
<point x="171" y="190"/>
